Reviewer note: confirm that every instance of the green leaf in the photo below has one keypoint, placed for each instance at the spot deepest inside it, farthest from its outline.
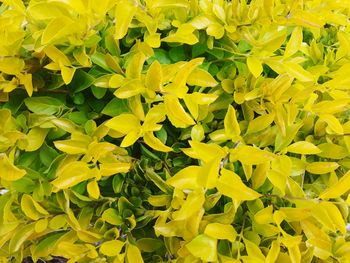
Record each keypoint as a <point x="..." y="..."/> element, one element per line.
<point x="81" y="81"/>
<point x="44" y="105"/>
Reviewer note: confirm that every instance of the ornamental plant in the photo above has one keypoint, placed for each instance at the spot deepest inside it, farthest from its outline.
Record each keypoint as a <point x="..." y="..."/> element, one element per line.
<point x="175" y="130"/>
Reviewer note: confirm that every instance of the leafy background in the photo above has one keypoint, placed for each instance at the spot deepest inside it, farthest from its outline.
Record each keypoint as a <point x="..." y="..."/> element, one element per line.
<point x="175" y="131"/>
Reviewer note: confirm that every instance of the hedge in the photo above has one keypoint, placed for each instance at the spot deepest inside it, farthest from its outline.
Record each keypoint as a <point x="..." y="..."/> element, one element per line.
<point x="175" y="130"/>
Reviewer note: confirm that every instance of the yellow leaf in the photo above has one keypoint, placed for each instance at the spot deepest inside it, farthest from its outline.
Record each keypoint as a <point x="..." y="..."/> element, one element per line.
<point x="130" y="138"/>
<point x="333" y="123"/>
<point x="18" y="5"/>
<point x="254" y="251"/>
<point x="111" y="248"/>
<point x="221" y="231"/>
<point x="72" y="174"/>
<point x="321" y="167"/>
<point x="116" y="81"/>
<point x="344" y="45"/>
<point x="112" y="217"/>
<point x="297" y="71"/>
<point x="124" y="123"/>
<point x="273" y="252"/>
<point x="230" y="184"/>
<point x="184" y="34"/>
<point x="130" y="89"/>
<point x="108" y="169"/>
<point x="203" y="247"/>
<point x="202" y="78"/>
<point x="34" y="139"/>
<point x="153" y="40"/>
<point x="231" y="125"/>
<point x="204" y="151"/>
<point x="335" y="215"/>
<point x="26" y="81"/>
<point x="56" y="55"/>
<point x="133" y="254"/>
<point x="134" y="66"/>
<point x="71" y="146"/>
<point x="31" y="208"/>
<point x="194" y="202"/>
<point x="41" y="225"/>
<point x="197" y="133"/>
<point x="11" y="65"/>
<point x="178" y="86"/>
<point x="201" y="98"/>
<point x="176" y="113"/>
<point x="306" y="18"/>
<point x="154" y="77"/>
<point x="67" y="73"/>
<point x="186" y="178"/>
<point x="339" y="188"/>
<point x="303" y="147"/>
<point x="264" y="216"/>
<point x="8" y="171"/>
<point x="155" y="143"/>
<point x="124" y="12"/>
<point x="250" y="155"/>
<point x="169" y="4"/>
<point x="294" y="43"/>
<point x="254" y="66"/>
<point x="260" y="123"/>
<point x="93" y="189"/>
<point x="57" y="28"/>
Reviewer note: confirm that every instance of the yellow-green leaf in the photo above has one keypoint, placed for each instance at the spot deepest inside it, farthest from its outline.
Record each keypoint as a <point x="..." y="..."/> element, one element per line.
<point x="20" y="236"/>
<point x="321" y="167"/>
<point x="41" y="225"/>
<point x="31" y="208"/>
<point x="303" y="147"/>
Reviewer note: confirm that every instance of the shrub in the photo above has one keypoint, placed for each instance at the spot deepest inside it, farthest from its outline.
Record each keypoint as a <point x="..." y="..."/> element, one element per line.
<point x="175" y="130"/>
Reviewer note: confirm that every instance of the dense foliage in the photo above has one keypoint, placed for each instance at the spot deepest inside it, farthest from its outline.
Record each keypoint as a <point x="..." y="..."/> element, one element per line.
<point x="175" y="130"/>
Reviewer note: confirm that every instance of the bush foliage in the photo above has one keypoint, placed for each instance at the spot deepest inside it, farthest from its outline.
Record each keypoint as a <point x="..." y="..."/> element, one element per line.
<point x="175" y="130"/>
